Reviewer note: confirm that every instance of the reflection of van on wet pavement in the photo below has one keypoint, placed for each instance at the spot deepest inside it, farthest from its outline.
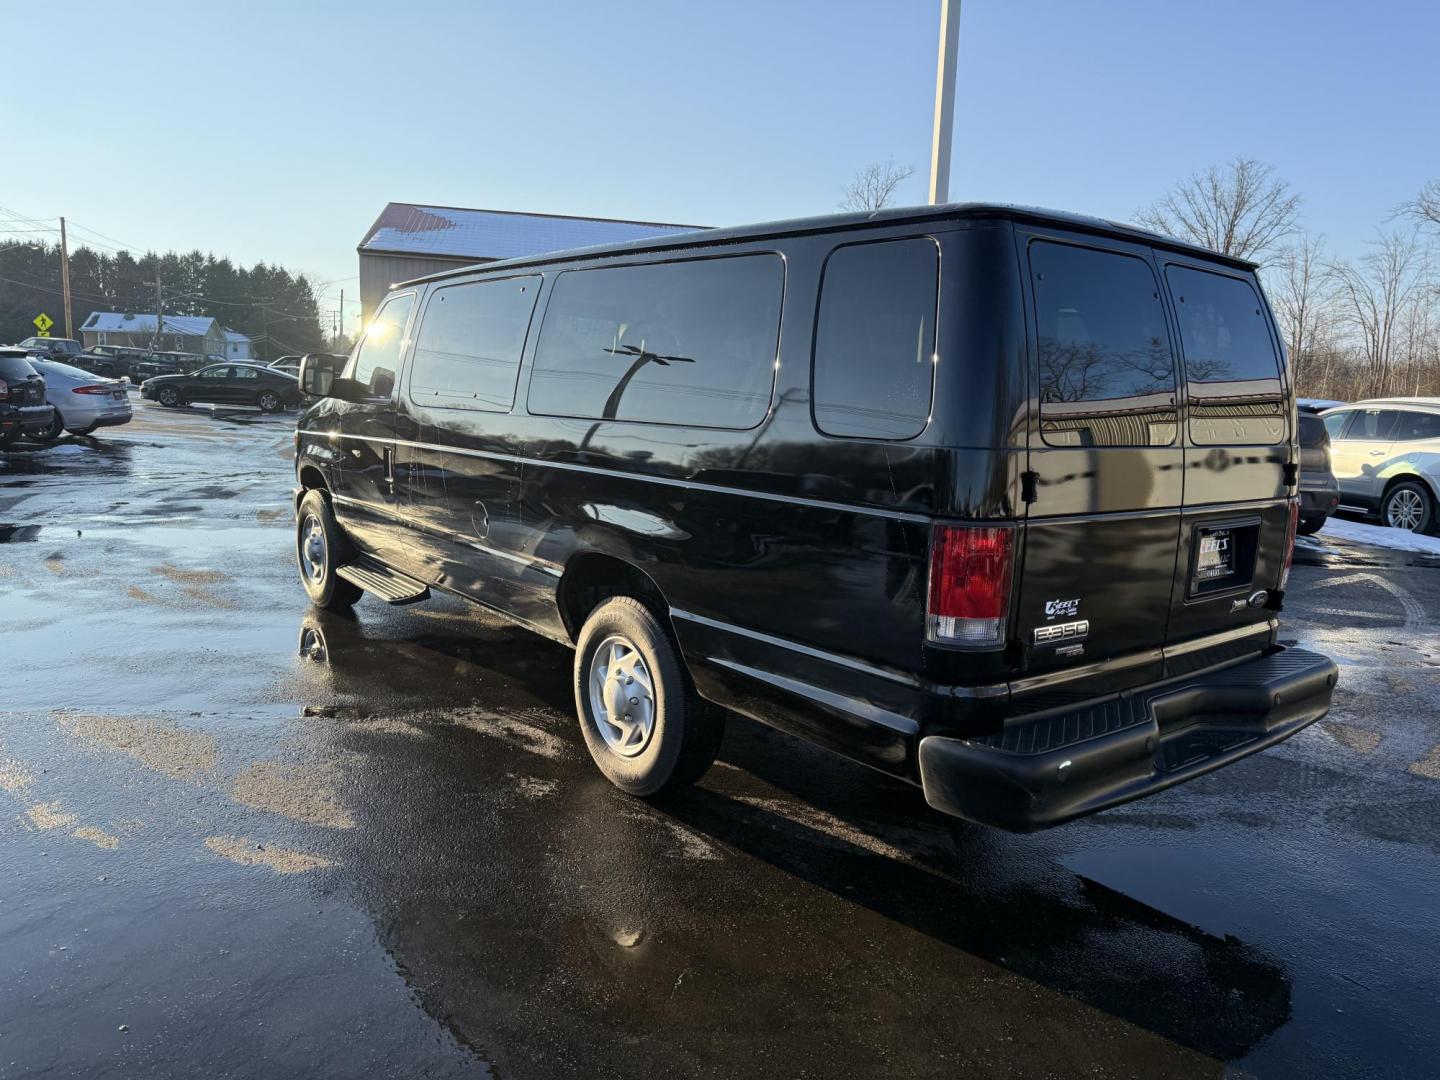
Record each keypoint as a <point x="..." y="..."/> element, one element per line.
<point x="1000" y="502"/>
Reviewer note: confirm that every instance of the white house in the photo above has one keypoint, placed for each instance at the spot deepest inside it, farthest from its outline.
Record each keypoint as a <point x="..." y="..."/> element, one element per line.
<point x="237" y="345"/>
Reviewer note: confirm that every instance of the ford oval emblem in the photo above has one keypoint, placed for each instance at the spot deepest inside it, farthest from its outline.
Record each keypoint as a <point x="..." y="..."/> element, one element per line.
<point x="1258" y="598"/>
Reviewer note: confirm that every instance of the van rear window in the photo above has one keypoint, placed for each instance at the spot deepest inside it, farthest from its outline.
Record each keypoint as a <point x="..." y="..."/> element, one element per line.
<point x="1231" y="368"/>
<point x="875" y="339"/>
<point x="1107" y="377"/>
<point x="692" y="343"/>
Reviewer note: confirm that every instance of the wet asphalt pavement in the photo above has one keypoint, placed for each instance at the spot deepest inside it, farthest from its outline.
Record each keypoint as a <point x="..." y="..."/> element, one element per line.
<point x="393" y="857"/>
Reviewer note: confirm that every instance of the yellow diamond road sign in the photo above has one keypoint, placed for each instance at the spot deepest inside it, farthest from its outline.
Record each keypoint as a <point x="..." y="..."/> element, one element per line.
<point x="43" y="322"/>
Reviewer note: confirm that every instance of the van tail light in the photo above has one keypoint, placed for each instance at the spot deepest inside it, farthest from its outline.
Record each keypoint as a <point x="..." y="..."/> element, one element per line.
<point x="93" y="388"/>
<point x="1290" y="530"/>
<point x="970" y="571"/>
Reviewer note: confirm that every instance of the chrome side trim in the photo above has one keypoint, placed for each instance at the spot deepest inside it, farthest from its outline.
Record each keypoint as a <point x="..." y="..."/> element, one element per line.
<point x="669" y="481"/>
<point x="901" y="725"/>
<point x="793" y="646"/>
<point x="1221" y="638"/>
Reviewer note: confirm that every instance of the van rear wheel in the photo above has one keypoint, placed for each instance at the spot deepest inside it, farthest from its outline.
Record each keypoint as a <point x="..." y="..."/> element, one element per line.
<point x="643" y="723"/>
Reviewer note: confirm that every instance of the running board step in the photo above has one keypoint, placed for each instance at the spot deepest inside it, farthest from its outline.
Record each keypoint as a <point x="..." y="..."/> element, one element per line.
<point x="379" y="580"/>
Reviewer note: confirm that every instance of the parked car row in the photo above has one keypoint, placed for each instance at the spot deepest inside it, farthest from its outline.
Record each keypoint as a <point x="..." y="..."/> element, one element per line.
<point x="42" y="398"/>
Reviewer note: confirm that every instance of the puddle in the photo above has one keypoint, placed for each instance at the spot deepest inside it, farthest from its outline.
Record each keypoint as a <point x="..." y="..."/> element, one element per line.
<point x="19" y="534"/>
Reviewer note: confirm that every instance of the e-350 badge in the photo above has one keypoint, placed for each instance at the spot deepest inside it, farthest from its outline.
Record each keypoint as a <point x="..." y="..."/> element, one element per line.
<point x="1057" y="633"/>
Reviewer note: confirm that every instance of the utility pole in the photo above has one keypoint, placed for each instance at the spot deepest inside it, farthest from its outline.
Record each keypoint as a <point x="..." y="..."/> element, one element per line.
<point x="944" y="102"/>
<point x="341" y="332"/>
<point x="65" y="280"/>
<point x="159" y="310"/>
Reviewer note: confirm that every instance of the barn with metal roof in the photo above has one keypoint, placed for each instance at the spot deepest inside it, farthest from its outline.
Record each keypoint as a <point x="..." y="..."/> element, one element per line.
<point x="411" y="240"/>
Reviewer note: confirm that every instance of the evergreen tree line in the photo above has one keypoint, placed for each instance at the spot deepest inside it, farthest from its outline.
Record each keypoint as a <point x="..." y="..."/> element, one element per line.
<point x="276" y="308"/>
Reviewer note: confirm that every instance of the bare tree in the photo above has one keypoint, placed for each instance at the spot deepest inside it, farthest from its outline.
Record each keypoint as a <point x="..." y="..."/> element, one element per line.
<point x="1240" y="209"/>
<point x="875" y="185"/>
<point x="1301" y="291"/>
<point x="1425" y="207"/>
<point x="1377" y="299"/>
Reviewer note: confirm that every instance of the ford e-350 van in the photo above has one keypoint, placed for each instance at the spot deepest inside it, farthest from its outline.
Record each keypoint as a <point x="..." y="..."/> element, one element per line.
<point x="997" y="501"/>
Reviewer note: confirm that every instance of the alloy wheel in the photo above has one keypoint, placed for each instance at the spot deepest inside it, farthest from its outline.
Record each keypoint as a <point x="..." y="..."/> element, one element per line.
<point x="1404" y="510"/>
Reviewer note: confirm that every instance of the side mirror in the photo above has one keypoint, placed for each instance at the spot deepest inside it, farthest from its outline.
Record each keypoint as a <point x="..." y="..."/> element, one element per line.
<point x="318" y="372"/>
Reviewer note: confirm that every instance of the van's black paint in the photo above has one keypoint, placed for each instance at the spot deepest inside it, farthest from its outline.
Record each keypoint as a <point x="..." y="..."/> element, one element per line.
<point x="793" y="565"/>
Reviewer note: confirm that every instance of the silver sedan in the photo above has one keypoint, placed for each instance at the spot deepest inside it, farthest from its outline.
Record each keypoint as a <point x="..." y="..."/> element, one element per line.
<point x="82" y="401"/>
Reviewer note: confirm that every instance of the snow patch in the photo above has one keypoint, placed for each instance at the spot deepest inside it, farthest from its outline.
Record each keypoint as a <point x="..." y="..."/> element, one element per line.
<point x="1380" y="536"/>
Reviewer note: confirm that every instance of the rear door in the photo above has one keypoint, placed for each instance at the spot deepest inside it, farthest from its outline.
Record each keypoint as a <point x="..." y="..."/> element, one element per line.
<point x="1359" y="451"/>
<point x="1107" y="463"/>
<point x="1240" y="463"/>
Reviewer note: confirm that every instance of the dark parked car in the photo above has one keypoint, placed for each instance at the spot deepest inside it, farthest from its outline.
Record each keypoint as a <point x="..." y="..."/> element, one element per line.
<point x="1000" y="502"/>
<point x="167" y="363"/>
<point x="23" y="409"/>
<point x="51" y="348"/>
<point x="111" y="361"/>
<point x="1319" y="494"/>
<point x="226" y="384"/>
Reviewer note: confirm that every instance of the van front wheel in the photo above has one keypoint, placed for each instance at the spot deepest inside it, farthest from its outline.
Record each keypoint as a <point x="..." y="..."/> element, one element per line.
<point x="320" y="547"/>
<point x="643" y="723"/>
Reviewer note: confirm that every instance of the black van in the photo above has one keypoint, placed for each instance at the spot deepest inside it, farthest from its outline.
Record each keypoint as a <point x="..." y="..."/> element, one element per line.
<point x="997" y="501"/>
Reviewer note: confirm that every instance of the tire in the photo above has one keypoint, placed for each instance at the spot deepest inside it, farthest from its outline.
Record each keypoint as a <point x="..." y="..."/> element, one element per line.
<point x="268" y="401"/>
<point x="1311" y="525"/>
<point x="9" y="438"/>
<point x="623" y="644"/>
<point x="169" y="397"/>
<point x="1409" y="506"/>
<point x="320" y="546"/>
<point x="54" y="431"/>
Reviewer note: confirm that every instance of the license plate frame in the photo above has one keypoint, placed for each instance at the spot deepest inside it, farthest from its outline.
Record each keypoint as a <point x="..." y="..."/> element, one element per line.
<point x="1222" y="556"/>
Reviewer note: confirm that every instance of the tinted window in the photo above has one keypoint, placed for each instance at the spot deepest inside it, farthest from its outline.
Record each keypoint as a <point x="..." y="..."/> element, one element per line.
<point x="1232" y="372"/>
<point x="1107" y="377"/>
<point x="379" y="353"/>
<point x="245" y="373"/>
<point x="875" y="339"/>
<point x="1371" y="425"/>
<point x="1312" y="432"/>
<point x="689" y="343"/>
<point x="1335" y="423"/>
<point x="1416" y="425"/>
<point x="467" y="351"/>
<point x="15" y="367"/>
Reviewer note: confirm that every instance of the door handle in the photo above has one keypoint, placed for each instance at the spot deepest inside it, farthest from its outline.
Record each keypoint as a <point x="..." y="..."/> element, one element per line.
<point x="1377" y="453"/>
<point x="389" y="464"/>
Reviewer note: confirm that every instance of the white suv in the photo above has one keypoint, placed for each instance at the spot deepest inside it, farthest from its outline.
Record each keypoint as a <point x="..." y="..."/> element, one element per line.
<point x="1386" y="457"/>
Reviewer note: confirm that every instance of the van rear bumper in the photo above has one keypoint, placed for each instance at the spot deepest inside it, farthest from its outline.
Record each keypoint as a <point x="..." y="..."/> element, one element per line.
<point x="1048" y="769"/>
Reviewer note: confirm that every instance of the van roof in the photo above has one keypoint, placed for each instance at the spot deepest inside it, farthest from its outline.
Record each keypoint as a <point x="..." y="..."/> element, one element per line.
<point x="841" y="222"/>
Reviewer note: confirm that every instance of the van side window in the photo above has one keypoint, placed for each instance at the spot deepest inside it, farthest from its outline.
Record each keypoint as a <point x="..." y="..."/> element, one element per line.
<point x="875" y="339"/>
<point x="1107" y="377"/>
<point x="378" y="358"/>
<point x="690" y="343"/>
<point x="467" y="350"/>
<point x="1231" y="369"/>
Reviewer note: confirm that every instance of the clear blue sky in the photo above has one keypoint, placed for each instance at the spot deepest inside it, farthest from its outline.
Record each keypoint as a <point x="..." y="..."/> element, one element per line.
<point x="277" y="131"/>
